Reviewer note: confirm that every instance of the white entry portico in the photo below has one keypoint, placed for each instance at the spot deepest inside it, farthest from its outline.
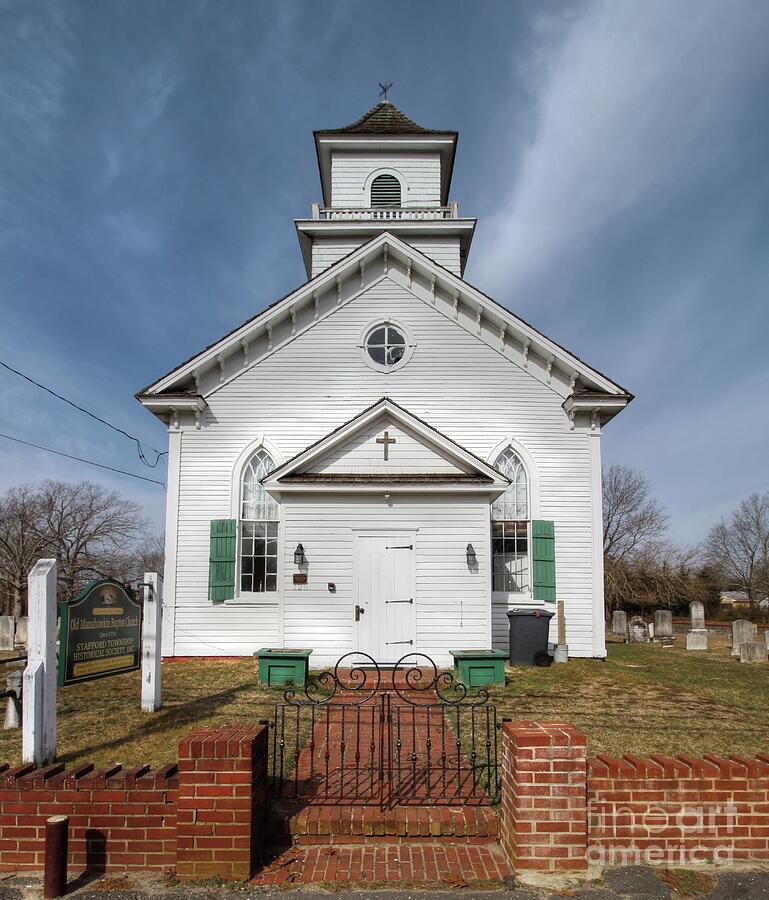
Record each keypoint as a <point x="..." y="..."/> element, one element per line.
<point x="384" y="400"/>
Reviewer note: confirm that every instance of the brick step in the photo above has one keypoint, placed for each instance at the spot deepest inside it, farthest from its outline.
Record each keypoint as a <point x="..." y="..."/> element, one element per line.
<point x="335" y="824"/>
<point x="436" y="864"/>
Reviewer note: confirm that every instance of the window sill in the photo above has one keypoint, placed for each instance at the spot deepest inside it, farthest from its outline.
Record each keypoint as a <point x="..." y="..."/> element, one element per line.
<point x="271" y="599"/>
<point x="500" y="598"/>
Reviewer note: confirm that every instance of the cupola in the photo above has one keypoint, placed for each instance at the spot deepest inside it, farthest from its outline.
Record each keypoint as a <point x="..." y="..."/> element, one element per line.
<point x="385" y="172"/>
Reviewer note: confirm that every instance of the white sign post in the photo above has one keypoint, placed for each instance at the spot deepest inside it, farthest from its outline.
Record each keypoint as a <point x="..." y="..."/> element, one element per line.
<point x="152" y="634"/>
<point x="39" y="694"/>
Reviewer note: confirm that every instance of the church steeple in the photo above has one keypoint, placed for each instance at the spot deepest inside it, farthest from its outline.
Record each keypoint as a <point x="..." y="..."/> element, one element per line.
<point x="385" y="172"/>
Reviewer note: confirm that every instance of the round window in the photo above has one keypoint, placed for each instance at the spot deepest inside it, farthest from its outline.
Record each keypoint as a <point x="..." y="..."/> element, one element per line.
<point x="385" y="345"/>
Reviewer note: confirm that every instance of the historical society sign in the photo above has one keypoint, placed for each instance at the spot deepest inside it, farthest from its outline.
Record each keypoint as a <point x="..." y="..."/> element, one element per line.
<point x="100" y="634"/>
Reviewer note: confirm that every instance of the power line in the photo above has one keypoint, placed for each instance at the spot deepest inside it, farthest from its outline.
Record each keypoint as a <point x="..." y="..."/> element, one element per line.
<point x="88" y="462"/>
<point x="158" y="453"/>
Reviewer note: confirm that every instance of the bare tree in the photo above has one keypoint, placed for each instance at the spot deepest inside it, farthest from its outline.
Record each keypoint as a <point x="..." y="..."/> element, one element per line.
<point x="659" y="574"/>
<point x="632" y="517"/>
<point x="21" y="543"/>
<point x="738" y="549"/>
<point x="150" y="555"/>
<point x="87" y="528"/>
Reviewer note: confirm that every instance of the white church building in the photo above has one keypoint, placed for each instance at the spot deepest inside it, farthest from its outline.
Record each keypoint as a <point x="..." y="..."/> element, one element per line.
<point x="386" y="460"/>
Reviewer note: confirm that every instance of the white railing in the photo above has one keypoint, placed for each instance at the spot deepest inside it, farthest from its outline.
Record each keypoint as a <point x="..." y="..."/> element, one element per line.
<point x="402" y="213"/>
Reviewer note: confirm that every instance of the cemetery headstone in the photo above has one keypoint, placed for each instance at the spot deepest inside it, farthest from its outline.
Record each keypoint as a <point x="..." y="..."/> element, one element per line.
<point x="638" y="631"/>
<point x="7" y="632"/>
<point x="697" y="640"/>
<point x="21" y="631"/>
<point x="743" y="632"/>
<point x="696" y="615"/>
<point x="753" y="651"/>
<point x="663" y="624"/>
<point x="619" y="623"/>
<point x="13" y="704"/>
<point x="766" y="637"/>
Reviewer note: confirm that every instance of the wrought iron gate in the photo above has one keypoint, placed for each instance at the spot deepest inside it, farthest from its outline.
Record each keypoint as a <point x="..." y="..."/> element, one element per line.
<point x="379" y="734"/>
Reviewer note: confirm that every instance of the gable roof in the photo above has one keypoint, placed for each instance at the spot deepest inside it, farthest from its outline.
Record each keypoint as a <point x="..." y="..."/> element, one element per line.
<point x="387" y="256"/>
<point x="384" y="118"/>
<point x="293" y="475"/>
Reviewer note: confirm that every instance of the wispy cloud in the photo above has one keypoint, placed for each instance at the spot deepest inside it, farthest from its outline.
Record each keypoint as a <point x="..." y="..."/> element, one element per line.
<point x="637" y="101"/>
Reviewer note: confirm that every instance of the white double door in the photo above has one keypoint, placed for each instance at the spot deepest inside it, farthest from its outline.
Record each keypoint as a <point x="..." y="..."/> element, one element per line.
<point x="385" y="608"/>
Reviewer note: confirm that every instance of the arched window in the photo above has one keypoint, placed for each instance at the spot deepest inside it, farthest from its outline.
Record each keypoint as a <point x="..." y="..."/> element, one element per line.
<point x="385" y="191"/>
<point x="259" y="516"/>
<point x="510" y="528"/>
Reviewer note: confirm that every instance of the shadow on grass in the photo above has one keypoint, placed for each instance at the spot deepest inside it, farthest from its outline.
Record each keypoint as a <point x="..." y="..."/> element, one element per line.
<point x="170" y="719"/>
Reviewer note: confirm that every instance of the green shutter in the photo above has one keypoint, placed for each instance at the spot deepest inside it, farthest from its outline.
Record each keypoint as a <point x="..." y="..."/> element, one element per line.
<point x="543" y="559"/>
<point x="221" y="560"/>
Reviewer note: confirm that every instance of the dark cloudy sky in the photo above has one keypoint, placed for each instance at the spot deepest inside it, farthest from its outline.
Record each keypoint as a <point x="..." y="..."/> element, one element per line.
<point x="154" y="154"/>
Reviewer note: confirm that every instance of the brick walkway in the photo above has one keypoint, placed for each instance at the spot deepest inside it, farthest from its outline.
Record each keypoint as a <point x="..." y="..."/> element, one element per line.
<point x="391" y="790"/>
<point x="430" y="863"/>
<point x="390" y="752"/>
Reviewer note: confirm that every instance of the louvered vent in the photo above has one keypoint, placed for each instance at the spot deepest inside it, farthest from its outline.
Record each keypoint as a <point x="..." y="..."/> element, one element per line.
<point x="385" y="191"/>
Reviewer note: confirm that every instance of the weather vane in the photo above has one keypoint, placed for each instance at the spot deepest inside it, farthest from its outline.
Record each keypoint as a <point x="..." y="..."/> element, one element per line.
<point x="385" y="88"/>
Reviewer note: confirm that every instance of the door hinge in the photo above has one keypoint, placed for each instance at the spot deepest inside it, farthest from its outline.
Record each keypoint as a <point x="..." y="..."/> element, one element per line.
<point x="401" y="547"/>
<point x="410" y="600"/>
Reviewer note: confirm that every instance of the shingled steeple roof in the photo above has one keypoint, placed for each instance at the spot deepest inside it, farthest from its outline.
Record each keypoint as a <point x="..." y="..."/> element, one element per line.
<point x="384" y="118"/>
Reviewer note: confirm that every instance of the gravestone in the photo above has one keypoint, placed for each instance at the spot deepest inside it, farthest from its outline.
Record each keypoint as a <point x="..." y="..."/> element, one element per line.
<point x="766" y="637"/>
<point x="697" y="640"/>
<point x="21" y="632"/>
<point x="619" y="623"/>
<point x="638" y="631"/>
<point x="7" y="632"/>
<point x="696" y="615"/>
<point x="13" y="704"/>
<point x="753" y="651"/>
<point x="663" y="624"/>
<point x="743" y="632"/>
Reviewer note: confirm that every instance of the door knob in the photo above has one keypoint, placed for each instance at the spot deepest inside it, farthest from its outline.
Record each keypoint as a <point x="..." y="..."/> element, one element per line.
<point x="359" y="610"/>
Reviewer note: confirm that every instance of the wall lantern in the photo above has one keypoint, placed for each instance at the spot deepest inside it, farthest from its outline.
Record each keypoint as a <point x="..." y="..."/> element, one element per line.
<point x="472" y="559"/>
<point x="299" y="557"/>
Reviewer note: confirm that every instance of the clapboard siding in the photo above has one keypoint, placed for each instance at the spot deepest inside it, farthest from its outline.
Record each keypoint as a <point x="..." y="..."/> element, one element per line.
<point x="361" y="454"/>
<point x="294" y="397"/>
<point x="313" y="617"/>
<point x="419" y="174"/>
<point x="443" y="250"/>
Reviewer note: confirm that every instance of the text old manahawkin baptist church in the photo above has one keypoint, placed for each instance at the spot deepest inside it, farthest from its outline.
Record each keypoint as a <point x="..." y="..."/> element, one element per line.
<point x="385" y="460"/>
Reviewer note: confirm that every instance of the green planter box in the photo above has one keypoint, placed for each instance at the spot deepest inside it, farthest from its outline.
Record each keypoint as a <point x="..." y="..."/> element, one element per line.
<point x="278" y="666"/>
<point x="477" y="668"/>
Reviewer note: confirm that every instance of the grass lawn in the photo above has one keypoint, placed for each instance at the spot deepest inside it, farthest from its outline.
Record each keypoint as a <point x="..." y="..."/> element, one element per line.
<point x="643" y="699"/>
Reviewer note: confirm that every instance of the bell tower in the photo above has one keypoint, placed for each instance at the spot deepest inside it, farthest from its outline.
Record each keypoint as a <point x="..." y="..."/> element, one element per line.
<point x="385" y="173"/>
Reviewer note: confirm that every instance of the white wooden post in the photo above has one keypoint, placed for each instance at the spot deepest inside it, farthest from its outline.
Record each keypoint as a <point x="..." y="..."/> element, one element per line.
<point x="152" y="638"/>
<point x="39" y="694"/>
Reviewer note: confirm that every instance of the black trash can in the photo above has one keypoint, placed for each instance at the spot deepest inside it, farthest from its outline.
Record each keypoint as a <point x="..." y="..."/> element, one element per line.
<point x="528" y="637"/>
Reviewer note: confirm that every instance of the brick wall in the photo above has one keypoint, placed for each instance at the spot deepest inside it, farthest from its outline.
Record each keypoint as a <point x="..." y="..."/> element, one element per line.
<point x="203" y="816"/>
<point x="119" y="818"/>
<point x="678" y="811"/>
<point x="544" y="804"/>
<point x="222" y="802"/>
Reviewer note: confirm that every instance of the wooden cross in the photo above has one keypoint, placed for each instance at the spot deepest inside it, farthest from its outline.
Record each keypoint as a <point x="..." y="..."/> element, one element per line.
<point x="386" y="440"/>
